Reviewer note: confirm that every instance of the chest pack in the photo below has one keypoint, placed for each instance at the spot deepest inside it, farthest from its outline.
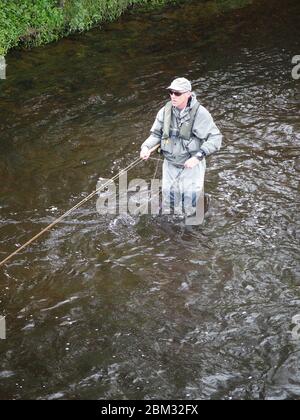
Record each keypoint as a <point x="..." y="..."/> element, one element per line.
<point x="185" y="131"/>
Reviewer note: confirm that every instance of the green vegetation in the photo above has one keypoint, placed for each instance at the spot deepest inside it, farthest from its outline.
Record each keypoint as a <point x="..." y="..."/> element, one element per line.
<point x="36" y="22"/>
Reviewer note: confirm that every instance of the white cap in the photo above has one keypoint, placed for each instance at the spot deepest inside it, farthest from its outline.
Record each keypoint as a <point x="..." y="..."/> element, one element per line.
<point x="181" y="84"/>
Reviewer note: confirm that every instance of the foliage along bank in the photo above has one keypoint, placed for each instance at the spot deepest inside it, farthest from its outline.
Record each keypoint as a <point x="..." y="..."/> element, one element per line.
<point x="36" y="22"/>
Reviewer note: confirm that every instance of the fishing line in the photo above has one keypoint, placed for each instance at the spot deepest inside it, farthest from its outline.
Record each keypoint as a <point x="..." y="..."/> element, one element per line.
<point x="67" y="213"/>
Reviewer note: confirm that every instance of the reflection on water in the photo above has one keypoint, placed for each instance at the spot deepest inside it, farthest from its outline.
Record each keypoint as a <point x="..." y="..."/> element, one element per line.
<point x="114" y="308"/>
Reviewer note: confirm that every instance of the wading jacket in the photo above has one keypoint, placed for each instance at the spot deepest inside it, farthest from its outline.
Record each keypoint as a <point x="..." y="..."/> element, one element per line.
<point x="182" y="134"/>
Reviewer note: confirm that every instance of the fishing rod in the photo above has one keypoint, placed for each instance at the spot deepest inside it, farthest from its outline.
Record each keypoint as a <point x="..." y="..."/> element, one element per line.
<point x="67" y="213"/>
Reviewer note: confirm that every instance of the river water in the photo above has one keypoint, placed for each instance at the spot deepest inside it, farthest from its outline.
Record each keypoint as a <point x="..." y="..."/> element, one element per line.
<point x="143" y="308"/>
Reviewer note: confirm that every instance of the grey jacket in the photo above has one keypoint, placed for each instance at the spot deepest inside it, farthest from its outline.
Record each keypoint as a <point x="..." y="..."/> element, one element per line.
<point x="205" y="134"/>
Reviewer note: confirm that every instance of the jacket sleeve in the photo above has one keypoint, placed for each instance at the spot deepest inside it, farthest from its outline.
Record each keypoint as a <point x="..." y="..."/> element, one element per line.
<point x="156" y="131"/>
<point x="206" y="130"/>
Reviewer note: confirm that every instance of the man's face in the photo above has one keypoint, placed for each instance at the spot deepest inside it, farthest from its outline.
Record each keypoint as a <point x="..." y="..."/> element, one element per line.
<point x="179" y="100"/>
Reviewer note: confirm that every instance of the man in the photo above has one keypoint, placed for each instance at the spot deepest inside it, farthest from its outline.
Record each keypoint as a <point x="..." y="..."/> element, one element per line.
<point x="187" y="134"/>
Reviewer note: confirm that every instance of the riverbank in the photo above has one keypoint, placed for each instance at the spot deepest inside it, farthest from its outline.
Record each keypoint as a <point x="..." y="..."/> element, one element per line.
<point x="31" y="23"/>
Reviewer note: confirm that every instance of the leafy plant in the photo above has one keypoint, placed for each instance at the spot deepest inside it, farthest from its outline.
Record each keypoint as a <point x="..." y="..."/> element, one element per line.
<point x="35" y="22"/>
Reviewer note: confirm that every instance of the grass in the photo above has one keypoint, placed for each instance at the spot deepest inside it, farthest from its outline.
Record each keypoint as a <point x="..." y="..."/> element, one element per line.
<point x="29" y="23"/>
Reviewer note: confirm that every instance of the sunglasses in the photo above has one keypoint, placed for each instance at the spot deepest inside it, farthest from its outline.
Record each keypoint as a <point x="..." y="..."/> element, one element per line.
<point x="173" y="92"/>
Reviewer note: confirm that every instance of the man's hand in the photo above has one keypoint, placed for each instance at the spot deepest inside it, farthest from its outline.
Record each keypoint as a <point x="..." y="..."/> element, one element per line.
<point x="145" y="153"/>
<point x="190" y="163"/>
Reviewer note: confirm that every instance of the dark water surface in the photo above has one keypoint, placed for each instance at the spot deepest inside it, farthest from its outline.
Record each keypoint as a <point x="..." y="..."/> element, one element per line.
<point x="135" y="309"/>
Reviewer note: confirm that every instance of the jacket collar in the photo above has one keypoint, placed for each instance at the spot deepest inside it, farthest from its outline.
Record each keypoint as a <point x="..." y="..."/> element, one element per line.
<point x="186" y="111"/>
